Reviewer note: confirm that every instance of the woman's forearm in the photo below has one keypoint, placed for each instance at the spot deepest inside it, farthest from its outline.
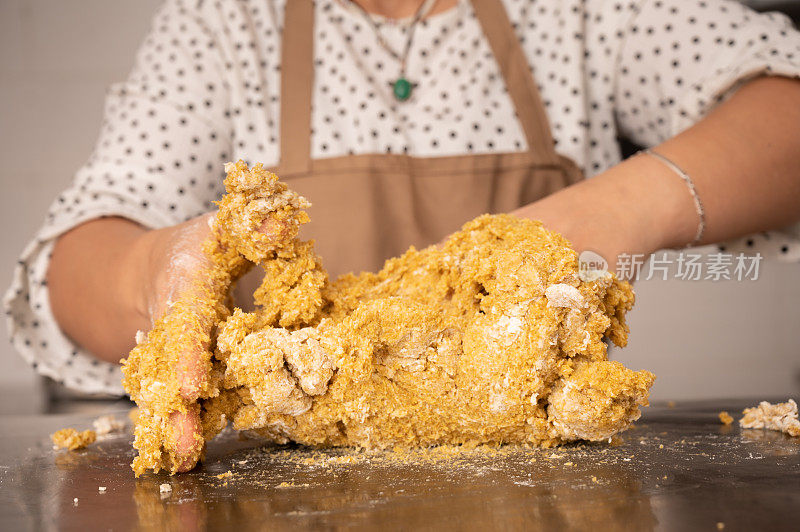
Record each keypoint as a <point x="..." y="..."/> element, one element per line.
<point x="744" y="159"/>
<point x="92" y="281"/>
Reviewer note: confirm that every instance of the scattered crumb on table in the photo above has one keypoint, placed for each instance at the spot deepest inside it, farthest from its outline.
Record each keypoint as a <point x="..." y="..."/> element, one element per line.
<point x="107" y="424"/>
<point x="781" y="417"/>
<point x="71" y="439"/>
<point x="725" y="418"/>
<point x="291" y="485"/>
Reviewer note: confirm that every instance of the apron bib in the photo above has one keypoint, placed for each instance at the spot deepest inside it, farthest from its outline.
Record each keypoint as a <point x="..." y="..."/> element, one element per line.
<point x="367" y="208"/>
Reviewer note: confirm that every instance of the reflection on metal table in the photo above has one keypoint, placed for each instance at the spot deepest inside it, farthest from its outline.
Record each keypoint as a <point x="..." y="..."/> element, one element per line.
<point x="678" y="468"/>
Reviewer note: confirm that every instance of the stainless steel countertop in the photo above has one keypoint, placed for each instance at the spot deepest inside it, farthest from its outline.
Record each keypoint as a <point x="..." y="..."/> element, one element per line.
<point x="677" y="469"/>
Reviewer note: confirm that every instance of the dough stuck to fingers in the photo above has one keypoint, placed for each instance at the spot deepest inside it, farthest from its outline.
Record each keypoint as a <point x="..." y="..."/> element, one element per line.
<point x="158" y="374"/>
<point x="491" y="337"/>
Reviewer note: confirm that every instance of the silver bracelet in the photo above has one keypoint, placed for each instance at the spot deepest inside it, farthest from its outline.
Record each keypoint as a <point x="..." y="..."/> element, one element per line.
<point x="698" y="205"/>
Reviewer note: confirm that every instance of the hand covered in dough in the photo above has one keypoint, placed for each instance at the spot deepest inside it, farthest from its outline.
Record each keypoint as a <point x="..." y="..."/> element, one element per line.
<point x="191" y="269"/>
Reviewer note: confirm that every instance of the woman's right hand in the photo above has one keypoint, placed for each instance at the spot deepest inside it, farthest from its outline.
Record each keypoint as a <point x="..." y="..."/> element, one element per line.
<point x="110" y="278"/>
<point x="173" y="266"/>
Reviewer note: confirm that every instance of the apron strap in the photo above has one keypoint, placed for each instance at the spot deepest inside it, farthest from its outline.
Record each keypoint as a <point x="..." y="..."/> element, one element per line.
<point x="297" y="83"/>
<point x="518" y="78"/>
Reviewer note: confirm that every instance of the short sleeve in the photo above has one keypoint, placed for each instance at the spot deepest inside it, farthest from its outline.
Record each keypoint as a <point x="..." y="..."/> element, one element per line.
<point x="158" y="161"/>
<point x="678" y="58"/>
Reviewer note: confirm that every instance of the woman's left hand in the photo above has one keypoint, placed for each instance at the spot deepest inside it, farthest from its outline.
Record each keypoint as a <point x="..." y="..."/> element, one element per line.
<point x="637" y="207"/>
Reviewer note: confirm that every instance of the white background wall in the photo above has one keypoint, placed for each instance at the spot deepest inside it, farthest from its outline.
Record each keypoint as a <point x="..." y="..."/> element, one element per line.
<point x="702" y="339"/>
<point x="56" y="59"/>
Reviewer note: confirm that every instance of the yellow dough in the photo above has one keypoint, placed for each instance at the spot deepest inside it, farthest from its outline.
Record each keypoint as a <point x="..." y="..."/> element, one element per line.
<point x="780" y="416"/>
<point x="491" y="337"/>
<point x="73" y="440"/>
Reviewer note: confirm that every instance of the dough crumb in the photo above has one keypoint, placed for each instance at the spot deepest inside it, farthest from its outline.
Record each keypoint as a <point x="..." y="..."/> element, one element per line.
<point x="73" y="440"/>
<point x="725" y="418"/>
<point x="781" y="417"/>
<point x="107" y="424"/>
<point x="564" y="295"/>
<point x="101" y="489"/>
<point x="165" y="488"/>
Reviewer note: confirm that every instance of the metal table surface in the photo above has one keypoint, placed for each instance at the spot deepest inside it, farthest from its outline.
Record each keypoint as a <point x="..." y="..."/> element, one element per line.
<point x="677" y="469"/>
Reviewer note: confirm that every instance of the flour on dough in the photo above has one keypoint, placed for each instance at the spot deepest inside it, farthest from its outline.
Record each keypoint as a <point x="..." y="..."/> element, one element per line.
<point x="491" y="337"/>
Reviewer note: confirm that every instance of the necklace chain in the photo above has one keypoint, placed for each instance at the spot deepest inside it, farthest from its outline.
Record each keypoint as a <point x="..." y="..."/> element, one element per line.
<point x="402" y="87"/>
<point x="424" y="8"/>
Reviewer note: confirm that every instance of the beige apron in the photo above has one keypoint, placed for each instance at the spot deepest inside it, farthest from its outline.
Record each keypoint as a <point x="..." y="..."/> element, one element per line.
<point x="367" y="208"/>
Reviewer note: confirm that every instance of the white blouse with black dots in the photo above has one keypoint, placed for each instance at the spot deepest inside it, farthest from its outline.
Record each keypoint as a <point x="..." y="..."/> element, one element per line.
<point x="205" y="90"/>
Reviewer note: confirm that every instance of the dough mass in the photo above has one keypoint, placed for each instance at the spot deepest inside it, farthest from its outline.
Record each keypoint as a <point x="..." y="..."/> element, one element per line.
<point x="490" y="338"/>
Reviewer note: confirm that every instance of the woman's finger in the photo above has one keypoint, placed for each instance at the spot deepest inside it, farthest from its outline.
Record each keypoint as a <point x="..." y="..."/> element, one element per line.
<point x="276" y="230"/>
<point x="191" y="372"/>
<point x="187" y="438"/>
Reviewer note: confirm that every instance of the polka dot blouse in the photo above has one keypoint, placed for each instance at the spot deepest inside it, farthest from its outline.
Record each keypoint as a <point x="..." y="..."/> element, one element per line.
<point x="205" y="90"/>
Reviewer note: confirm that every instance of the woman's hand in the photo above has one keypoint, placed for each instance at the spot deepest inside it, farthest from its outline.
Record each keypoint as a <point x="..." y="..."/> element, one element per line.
<point x="637" y="207"/>
<point x="175" y="266"/>
<point x="110" y="278"/>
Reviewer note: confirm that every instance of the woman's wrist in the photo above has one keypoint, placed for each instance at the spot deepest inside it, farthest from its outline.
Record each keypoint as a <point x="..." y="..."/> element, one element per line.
<point x="655" y="203"/>
<point x="636" y="207"/>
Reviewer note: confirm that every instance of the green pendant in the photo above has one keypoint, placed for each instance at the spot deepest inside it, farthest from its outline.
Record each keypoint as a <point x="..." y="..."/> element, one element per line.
<point x="402" y="89"/>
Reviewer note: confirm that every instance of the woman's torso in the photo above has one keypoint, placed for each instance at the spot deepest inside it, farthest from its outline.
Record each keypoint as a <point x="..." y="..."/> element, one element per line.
<point x="460" y="105"/>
